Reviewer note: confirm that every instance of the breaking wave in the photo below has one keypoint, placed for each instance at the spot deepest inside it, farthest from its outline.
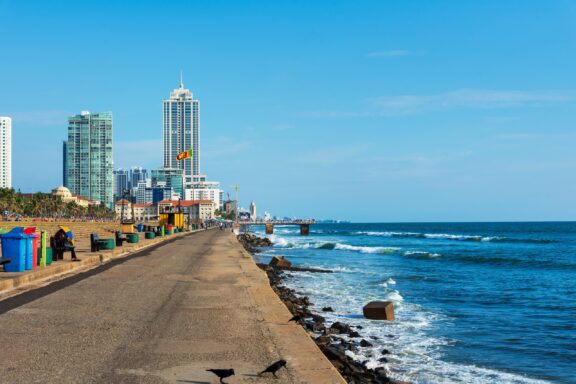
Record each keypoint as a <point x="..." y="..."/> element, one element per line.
<point x="447" y="236"/>
<point x="357" y="248"/>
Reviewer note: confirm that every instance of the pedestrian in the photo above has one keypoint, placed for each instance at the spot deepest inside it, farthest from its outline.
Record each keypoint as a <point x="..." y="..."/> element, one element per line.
<point x="64" y="242"/>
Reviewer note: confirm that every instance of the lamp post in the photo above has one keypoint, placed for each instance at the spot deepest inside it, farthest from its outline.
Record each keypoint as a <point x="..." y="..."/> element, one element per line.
<point x="236" y="189"/>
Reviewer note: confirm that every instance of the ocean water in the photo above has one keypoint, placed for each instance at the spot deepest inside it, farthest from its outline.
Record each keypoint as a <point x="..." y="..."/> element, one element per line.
<point x="474" y="302"/>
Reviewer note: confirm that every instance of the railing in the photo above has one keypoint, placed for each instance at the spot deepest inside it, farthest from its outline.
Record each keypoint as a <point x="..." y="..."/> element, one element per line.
<point x="278" y="222"/>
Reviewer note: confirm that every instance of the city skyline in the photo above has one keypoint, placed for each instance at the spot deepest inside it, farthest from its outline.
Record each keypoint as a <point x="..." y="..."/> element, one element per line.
<point x="310" y="106"/>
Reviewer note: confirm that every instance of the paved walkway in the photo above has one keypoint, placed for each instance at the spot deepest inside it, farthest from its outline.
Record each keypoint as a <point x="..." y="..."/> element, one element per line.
<point x="163" y="315"/>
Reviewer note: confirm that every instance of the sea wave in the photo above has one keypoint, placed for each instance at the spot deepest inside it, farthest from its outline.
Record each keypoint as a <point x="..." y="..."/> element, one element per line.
<point x="456" y="237"/>
<point x="421" y="254"/>
<point x="357" y="248"/>
<point x="413" y="354"/>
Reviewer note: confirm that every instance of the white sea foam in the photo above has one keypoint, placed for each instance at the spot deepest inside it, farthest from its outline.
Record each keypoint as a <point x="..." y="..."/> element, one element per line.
<point x="279" y="241"/>
<point x="394" y="296"/>
<point x="421" y="254"/>
<point x="362" y="249"/>
<point x="436" y="236"/>
<point x="415" y="353"/>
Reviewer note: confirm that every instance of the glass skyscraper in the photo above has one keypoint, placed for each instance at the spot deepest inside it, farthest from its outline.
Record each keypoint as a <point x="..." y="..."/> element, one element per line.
<point x="121" y="183"/>
<point x="5" y="152"/>
<point x="181" y="131"/>
<point x="89" y="156"/>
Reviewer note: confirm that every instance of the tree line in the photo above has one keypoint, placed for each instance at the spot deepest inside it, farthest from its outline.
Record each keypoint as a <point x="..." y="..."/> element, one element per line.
<point x="47" y="205"/>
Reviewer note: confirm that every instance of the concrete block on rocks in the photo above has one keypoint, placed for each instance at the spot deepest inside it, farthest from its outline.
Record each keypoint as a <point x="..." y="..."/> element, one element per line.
<point x="379" y="310"/>
<point x="280" y="262"/>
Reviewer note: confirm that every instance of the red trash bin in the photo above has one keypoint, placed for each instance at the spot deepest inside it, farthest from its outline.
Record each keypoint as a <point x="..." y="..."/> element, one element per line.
<point x="32" y="231"/>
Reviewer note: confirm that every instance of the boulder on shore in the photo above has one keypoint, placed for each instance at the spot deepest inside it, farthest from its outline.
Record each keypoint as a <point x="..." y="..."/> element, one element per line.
<point x="379" y="310"/>
<point x="280" y="262"/>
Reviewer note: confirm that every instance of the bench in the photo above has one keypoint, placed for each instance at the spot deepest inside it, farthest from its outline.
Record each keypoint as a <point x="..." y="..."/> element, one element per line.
<point x="59" y="248"/>
<point x="120" y="238"/>
<point x="97" y="244"/>
<point x="5" y="260"/>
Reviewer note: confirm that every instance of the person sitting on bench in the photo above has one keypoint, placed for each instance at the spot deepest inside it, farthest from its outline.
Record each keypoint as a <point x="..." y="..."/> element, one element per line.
<point x="63" y="242"/>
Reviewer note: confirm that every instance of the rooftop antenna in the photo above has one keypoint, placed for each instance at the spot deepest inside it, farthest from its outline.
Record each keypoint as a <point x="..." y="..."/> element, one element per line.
<point x="181" y="81"/>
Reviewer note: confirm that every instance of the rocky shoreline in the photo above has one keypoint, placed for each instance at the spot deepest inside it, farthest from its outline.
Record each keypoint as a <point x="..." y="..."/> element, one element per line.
<point x="334" y="340"/>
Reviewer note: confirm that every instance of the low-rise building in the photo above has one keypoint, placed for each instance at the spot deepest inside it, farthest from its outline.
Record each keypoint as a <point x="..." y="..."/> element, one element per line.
<point x="67" y="197"/>
<point x="195" y="211"/>
<point x="123" y="209"/>
<point x="146" y="212"/>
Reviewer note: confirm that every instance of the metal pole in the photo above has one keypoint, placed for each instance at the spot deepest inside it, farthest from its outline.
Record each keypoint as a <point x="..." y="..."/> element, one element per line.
<point x="237" y="188"/>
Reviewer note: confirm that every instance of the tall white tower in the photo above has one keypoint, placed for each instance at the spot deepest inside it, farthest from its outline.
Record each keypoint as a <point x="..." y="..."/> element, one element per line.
<point x="5" y="152"/>
<point x="253" y="211"/>
<point x="181" y="132"/>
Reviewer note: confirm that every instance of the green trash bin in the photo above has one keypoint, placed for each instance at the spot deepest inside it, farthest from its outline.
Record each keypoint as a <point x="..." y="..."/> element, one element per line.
<point x="106" y="244"/>
<point x="132" y="238"/>
<point x="48" y="255"/>
<point x="169" y="231"/>
<point x="150" y="235"/>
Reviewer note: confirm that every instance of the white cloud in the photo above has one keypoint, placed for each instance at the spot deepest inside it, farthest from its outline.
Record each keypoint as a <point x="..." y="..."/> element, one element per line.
<point x="41" y="118"/>
<point x="470" y="98"/>
<point x="465" y="98"/>
<point x="335" y="114"/>
<point x="395" y="53"/>
<point x="526" y="136"/>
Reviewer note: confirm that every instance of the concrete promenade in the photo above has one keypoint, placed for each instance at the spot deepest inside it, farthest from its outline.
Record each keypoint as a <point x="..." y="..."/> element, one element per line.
<point x="162" y="315"/>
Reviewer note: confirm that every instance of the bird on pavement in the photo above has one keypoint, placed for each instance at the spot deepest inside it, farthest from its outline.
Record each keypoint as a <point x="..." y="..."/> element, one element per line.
<point x="222" y="373"/>
<point x="296" y="318"/>
<point x="274" y="367"/>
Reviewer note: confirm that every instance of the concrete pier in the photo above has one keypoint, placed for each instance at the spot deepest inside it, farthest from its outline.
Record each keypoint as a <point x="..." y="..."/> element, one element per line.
<point x="269" y="225"/>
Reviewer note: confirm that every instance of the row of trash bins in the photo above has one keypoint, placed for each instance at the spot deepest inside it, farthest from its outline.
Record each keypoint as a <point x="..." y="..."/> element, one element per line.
<point x="21" y="246"/>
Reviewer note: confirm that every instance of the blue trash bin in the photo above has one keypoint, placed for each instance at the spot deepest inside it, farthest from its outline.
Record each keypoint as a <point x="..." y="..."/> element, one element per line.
<point x="14" y="246"/>
<point x="140" y="227"/>
<point x="29" y="261"/>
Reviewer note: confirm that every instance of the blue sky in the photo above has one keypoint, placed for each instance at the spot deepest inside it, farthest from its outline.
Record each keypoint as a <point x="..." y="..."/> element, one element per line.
<point x="367" y="111"/>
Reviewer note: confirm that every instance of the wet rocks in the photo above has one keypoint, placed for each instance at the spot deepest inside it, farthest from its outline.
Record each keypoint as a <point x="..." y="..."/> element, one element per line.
<point x="338" y="342"/>
<point x="294" y="269"/>
<point x="250" y="242"/>
<point x="364" y="343"/>
<point x="339" y="327"/>
<point x="280" y="262"/>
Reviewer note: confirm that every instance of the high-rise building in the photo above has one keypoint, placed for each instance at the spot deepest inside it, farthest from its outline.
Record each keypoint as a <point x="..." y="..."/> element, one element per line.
<point x="169" y="177"/>
<point x="121" y="183"/>
<point x="64" y="162"/>
<point x="181" y="132"/>
<point x="253" y="211"/>
<point x="5" y="152"/>
<point x="137" y="174"/>
<point x="89" y="156"/>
